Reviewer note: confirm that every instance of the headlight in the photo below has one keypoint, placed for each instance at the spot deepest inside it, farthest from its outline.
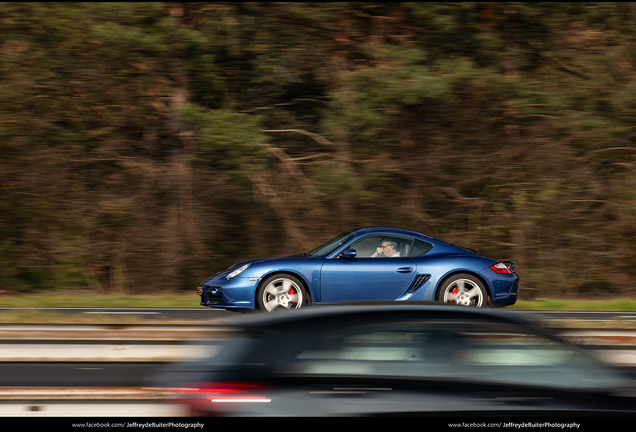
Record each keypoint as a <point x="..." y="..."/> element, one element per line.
<point x="238" y="271"/>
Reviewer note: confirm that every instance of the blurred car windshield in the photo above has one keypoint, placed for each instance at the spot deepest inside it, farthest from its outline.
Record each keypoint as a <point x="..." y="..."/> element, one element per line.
<point x="451" y="351"/>
<point x="326" y="248"/>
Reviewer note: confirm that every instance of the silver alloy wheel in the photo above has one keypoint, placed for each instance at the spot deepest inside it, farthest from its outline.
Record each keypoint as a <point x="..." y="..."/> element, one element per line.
<point x="464" y="292"/>
<point x="282" y="292"/>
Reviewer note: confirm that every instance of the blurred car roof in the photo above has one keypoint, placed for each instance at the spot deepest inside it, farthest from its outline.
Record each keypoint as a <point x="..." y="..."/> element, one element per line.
<point x="388" y="310"/>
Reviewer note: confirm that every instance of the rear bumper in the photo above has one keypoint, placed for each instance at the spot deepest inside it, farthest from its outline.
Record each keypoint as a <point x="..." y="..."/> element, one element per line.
<point x="505" y="291"/>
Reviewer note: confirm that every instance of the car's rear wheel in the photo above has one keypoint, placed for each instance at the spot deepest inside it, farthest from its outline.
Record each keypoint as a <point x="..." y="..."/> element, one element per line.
<point x="281" y="292"/>
<point x="463" y="289"/>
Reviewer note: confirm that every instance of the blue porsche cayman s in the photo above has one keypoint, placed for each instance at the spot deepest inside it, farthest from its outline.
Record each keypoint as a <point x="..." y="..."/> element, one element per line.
<point x="366" y="264"/>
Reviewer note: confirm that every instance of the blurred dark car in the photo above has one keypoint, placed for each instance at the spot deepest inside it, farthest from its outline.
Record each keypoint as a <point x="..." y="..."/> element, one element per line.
<point x="395" y="360"/>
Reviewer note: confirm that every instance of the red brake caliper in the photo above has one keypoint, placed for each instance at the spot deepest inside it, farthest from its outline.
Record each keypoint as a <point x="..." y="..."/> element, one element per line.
<point x="291" y="293"/>
<point x="454" y="293"/>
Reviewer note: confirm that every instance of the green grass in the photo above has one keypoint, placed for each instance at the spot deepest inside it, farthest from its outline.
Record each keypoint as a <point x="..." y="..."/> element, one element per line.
<point x="618" y="304"/>
<point x="31" y="315"/>
<point x="80" y="299"/>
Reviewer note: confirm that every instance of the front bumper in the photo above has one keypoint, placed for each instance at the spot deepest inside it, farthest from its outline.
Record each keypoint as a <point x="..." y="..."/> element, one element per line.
<point x="236" y="293"/>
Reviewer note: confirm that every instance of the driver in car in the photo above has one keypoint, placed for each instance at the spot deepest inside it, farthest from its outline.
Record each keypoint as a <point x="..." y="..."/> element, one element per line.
<point x="387" y="250"/>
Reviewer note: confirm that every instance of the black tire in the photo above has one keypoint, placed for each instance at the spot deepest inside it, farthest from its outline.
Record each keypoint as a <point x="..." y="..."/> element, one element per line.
<point x="463" y="289"/>
<point x="281" y="291"/>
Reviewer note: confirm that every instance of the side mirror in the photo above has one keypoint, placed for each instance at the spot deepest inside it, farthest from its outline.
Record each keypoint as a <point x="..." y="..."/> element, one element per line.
<point x="348" y="254"/>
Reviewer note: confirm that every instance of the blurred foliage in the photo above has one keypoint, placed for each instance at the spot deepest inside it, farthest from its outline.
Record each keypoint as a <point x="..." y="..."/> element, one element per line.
<point x="148" y="145"/>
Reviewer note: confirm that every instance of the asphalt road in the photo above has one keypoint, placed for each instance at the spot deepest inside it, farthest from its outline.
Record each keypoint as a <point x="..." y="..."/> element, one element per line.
<point x="193" y="313"/>
<point x="204" y="313"/>
<point x="77" y="374"/>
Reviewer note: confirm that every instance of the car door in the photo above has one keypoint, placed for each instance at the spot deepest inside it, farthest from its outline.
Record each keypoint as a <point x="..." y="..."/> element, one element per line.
<point x="367" y="277"/>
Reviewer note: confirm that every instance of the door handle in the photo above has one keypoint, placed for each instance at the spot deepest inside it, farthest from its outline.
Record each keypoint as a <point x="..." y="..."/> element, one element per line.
<point x="405" y="270"/>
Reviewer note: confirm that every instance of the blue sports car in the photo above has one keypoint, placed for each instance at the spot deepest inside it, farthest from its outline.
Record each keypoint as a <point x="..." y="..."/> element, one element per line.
<point x="366" y="264"/>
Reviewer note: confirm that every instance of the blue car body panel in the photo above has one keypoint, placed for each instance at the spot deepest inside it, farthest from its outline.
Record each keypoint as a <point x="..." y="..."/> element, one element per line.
<point x="331" y="278"/>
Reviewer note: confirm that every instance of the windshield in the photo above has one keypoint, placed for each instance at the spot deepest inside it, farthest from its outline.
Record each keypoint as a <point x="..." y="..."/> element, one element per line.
<point x="325" y="249"/>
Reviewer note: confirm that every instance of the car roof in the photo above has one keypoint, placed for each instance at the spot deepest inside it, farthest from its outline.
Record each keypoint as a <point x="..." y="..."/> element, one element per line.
<point x="387" y="229"/>
<point x="286" y="319"/>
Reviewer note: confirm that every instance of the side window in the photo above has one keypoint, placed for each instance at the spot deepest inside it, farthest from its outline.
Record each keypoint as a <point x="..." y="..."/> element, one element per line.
<point x="389" y="351"/>
<point x="472" y="350"/>
<point x="378" y="246"/>
<point x="420" y="248"/>
<point x="522" y="358"/>
<point x="367" y="246"/>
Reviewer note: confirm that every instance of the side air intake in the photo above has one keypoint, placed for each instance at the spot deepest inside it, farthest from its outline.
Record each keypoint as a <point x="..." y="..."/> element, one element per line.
<point x="417" y="283"/>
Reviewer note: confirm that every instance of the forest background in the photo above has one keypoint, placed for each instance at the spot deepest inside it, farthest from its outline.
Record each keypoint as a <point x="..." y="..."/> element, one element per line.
<point x="145" y="146"/>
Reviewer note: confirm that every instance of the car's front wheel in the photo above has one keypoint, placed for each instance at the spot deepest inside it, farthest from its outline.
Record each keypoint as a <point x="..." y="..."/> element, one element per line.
<point x="463" y="289"/>
<point x="281" y="292"/>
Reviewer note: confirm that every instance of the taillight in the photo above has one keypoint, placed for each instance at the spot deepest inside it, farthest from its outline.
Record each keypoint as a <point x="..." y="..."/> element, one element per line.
<point x="224" y="392"/>
<point x="218" y="387"/>
<point x="212" y="399"/>
<point x="500" y="268"/>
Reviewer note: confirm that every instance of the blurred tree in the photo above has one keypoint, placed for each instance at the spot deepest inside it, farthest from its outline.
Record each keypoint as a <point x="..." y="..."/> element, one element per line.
<point x="150" y="144"/>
